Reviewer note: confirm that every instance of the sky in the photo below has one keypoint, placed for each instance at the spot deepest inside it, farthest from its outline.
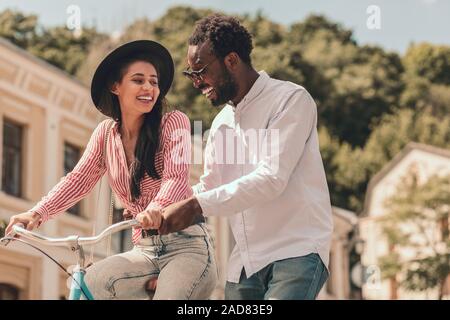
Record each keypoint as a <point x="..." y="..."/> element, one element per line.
<point x="401" y="22"/>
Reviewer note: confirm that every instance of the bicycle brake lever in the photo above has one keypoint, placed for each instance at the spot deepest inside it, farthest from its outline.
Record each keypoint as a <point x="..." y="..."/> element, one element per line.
<point x="12" y="234"/>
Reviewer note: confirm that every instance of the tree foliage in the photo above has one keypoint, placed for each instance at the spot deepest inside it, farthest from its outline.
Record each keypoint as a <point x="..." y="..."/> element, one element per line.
<point x="417" y="220"/>
<point x="57" y="45"/>
<point x="431" y="62"/>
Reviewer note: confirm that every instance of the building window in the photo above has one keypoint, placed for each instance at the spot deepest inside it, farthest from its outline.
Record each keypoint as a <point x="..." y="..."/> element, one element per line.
<point x="8" y="292"/>
<point x="71" y="157"/>
<point x="121" y="241"/>
<point x="12" y="159"/>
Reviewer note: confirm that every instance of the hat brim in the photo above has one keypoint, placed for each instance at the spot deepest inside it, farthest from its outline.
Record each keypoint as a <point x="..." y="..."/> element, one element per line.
<point x="142" y="47"/>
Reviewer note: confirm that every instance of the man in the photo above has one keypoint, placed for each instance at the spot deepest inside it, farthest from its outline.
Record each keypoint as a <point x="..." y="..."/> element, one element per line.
<point x="278" y="206"/>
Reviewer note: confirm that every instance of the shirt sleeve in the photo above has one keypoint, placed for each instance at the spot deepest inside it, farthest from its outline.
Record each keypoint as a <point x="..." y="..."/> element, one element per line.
<point x="286" y="137"/>
<point x="176" y="158"/>
<point x="79" y="182"/>
<point x="211" y="176"/>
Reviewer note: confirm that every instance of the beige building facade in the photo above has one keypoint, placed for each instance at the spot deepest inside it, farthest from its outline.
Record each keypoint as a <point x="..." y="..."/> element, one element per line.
<point x="338" y="285"/>
<point x="46" y="111"/>
<point x="425" y="161"/>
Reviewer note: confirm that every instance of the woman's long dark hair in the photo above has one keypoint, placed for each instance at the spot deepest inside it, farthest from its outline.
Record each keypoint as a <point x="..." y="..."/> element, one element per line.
<point x="149" y="136"/>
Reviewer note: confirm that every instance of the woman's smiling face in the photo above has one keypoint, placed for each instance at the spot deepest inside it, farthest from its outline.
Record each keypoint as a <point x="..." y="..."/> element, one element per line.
<point x="138" y="89"/>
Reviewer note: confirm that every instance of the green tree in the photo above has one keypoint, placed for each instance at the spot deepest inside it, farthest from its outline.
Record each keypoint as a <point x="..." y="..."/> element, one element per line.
<point x="285" y="61"/>
<point x="429" y="61"/>
<point x="303" y="32"/>
<point x="18" y="28"/>
<point x="62" y="48"/>
<point x="324" y="44"/>
<point x="95" y="54"/>
<point x="395" y="131"/>
<point x="57" y="45"/>
<point x="427" y="79"/>
<point x="362" y="93"/>
<point x="422" y="95"/>
<point x="362" y="83"/>
<point x="349" y="169"/>
<point x="264" y="31"/>
<point x="418" y="220"/>
<point x="345" y="170"/>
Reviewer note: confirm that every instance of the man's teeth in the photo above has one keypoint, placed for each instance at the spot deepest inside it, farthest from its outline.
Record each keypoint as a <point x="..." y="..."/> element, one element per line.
<point x="207" y="91"/>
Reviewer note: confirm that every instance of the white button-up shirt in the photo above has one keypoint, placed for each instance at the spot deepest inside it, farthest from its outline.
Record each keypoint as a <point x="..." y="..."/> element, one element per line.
<point x="264" y="172"/>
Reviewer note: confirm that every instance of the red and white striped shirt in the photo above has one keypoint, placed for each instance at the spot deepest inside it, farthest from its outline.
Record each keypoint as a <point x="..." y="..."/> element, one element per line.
<point x="171" y="162"/>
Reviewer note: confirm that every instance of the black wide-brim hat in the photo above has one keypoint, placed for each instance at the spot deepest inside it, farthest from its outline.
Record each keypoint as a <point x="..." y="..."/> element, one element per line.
<point x="140" y="47"/>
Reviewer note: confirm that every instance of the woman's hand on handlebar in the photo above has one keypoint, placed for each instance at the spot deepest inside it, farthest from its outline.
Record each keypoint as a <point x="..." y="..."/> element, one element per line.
<point x="150" y="218"/>
<point x="127" y="214"/>
<point x="29" y="220"/>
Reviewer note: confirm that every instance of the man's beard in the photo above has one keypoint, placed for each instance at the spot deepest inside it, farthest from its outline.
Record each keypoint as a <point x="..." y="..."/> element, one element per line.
<point x="227" y="90"/>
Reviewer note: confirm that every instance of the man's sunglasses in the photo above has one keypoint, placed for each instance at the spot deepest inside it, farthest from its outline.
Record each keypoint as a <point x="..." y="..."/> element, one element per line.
<point x="198" y="74"/>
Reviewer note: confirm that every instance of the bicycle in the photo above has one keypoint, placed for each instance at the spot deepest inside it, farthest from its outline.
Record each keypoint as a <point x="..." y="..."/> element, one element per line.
<point x="75" y="244"/>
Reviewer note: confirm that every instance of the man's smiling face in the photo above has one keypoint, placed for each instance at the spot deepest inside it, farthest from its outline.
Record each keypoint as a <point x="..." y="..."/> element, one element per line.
<point x="210" y="75"/>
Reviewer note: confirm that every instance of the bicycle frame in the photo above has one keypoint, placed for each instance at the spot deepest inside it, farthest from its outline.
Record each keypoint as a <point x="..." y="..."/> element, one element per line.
<point x="78" y="286"/>
<point x="75" y="243"/>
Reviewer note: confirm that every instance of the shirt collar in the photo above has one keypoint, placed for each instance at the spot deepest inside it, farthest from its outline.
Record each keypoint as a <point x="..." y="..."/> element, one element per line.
<point x="115" y="127"/>
<point x="254" y="91"/>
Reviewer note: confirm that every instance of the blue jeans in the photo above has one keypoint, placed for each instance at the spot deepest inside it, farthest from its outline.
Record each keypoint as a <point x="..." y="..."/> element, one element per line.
<point x="183" y="262"/>
<point x="299" y="278"/>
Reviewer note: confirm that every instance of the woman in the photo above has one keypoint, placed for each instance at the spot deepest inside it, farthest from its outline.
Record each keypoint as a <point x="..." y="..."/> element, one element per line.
<point x="147" y="162"/>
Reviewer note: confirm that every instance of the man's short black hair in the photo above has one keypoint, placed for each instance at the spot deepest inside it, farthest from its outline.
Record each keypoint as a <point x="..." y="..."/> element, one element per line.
<point x="226" y="35"/>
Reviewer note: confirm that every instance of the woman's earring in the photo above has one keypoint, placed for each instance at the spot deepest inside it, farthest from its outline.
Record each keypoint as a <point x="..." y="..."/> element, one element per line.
<point x="114" y="89"/>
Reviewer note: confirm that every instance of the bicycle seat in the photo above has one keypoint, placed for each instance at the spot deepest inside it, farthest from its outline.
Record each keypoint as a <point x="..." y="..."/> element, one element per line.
<point x="150" y="286"/>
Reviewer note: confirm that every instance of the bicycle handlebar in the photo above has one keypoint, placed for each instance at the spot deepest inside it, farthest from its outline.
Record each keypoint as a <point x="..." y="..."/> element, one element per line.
<point x="72" y="240"/>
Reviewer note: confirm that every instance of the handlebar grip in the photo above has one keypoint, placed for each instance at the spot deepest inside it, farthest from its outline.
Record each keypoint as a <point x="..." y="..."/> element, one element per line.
<point x="12" y="233"/>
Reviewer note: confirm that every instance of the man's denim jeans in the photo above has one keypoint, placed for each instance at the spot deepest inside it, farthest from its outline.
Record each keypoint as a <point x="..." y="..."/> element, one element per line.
<point x="299" y="278"/>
